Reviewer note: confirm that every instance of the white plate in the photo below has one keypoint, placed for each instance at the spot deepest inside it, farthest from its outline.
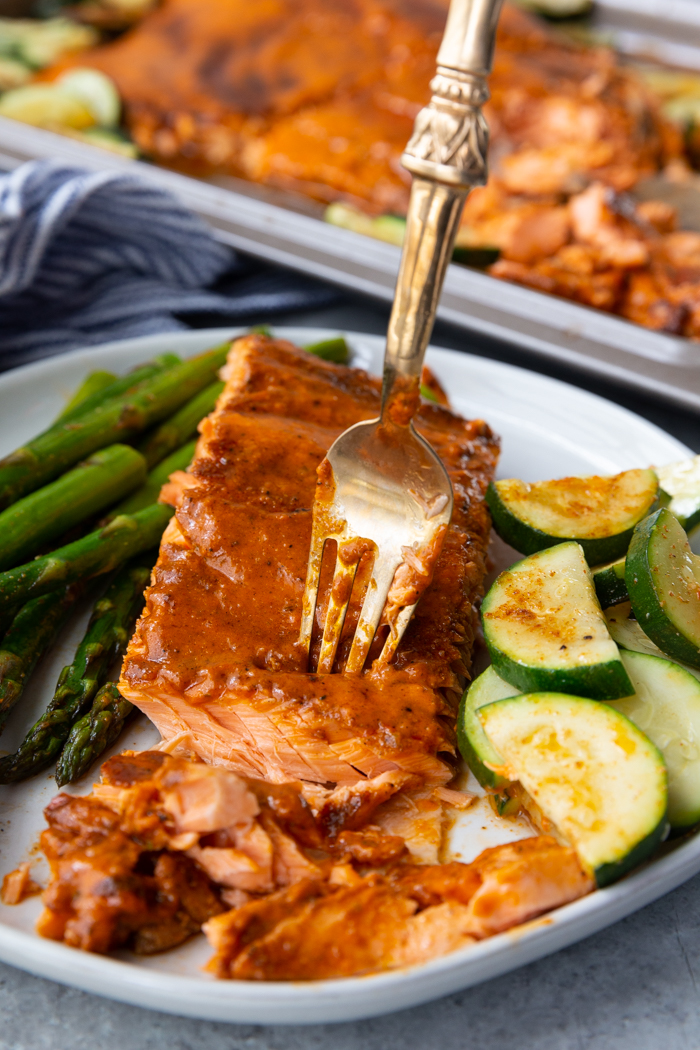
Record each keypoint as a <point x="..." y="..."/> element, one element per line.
<point x="548" y="429"/>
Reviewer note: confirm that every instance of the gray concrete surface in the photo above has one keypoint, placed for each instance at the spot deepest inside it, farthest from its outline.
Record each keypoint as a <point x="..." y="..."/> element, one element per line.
<point x="634" y="986"/>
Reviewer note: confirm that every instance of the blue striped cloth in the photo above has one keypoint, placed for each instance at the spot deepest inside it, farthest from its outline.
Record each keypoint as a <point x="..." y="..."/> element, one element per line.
<point x="86" y="257"/>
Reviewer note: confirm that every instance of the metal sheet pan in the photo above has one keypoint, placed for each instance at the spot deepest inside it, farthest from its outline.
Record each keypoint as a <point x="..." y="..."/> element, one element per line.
<point x="290" y="232"/>
<point x="665" y="31"/>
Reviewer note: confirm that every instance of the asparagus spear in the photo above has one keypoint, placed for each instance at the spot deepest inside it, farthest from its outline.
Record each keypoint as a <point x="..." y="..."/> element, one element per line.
<point x="93" y="734"/>
<point x="46" y="514"/>
<point x="336" y="350"/>
<point x="150" y="490"/>
<point x="6" y="617"/>
<point x="31" y="633"/>
<point x="119" y="386"/>
<point x="170" y="434"/>
<point x="98" y="552"/>
<point x="105" y="639"/>
<point x="55" y="450"/>
<point x="176" y="430"/>
<point x="94" y="383"/>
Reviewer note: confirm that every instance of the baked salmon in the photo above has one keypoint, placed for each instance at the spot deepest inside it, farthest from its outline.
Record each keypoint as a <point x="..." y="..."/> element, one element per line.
<point x="214" y="661"/>
<point x="164" y="847"/>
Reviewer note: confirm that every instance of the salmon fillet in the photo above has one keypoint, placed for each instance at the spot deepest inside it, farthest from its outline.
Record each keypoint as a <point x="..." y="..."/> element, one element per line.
<point x="407" y="915"/>
<point x="214" y="657"/>
<point x="164" y="847"/>
<point x="318" y="100"/>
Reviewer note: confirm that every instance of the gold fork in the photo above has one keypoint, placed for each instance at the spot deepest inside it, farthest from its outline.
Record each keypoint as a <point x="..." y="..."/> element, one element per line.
<point x="382" y="491"/>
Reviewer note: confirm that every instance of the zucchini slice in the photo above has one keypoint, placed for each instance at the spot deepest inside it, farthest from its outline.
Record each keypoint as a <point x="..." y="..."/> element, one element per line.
<point x="392" y="228"/>
<point x="609" y="583"/>
<point x="599" y="513"/>
<point x="545" y="629"/>
<point x="477" y="257"/>
<point x="472" y="740"/>
<point x="666" y="707"/>
<point x="592" y="772"/>
<point x="680" y="490"/>
<point x="558" y="9"/>
<point x="663" y="582"/>
<point x="626" y="632"/>
<point x="628" y="635"/>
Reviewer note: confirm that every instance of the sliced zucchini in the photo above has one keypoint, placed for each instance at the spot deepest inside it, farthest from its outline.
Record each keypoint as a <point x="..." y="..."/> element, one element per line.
<point x="46" y="106"/>
<point x="592" y="772"/>
<point x="108" y="139"/>
<point x="473" y="743"/>
<point x="626" y="632"/>
<point x="666" y="707"/>
<point x="599" y="513"/>
<point x="680" y="485"/>
<point x="13" y="74"/>
<point x="39" y="42"/>
<point x="546" y="631"/>
<point x="628" y="635"/>
<point x="663" y="582"/>
<point x="609" y="583"/>
<point x="475" y="256"/>
<point x="392" y="228"/>
<point x="96" y="91"/>
<point x="557" y="9"/>
<point x="505" y="805"/>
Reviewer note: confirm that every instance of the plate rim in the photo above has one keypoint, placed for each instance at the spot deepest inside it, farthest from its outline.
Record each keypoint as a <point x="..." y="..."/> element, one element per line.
<point x="222" y="332"/>
<point x="352" y="998"/>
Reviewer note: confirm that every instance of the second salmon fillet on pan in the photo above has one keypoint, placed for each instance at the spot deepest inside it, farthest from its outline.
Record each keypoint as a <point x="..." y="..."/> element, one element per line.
<point x="215" y="656"/>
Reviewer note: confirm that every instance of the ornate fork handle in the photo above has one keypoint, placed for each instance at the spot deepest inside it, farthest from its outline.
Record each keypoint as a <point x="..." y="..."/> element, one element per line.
<point x="446" y="156"/>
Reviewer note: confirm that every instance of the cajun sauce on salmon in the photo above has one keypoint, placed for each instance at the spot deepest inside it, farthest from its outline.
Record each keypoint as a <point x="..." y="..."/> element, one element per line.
<point x="294" y="845"/>
<point x="164" y="847"/>
<point x="215" y="658"/>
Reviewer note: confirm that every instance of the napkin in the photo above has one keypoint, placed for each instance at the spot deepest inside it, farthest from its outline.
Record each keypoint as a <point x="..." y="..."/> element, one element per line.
<point x="87" y="257"/>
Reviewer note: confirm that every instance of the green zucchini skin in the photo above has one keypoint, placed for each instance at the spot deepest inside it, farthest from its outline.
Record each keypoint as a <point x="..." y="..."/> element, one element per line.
<point x="521" y="537"/>
<point x="527" y="538"/>
<point x="392" y="228"/>
<point x="691" y="523"/>
<point x="649" y="584"/>
<point x="473" y="743"/>
<point x="612" y="872"/>
<point x="607" y="681"/>
<point x="479" y="258"/>
<point x="609" y="583"/>
<point x="505" y="805"/>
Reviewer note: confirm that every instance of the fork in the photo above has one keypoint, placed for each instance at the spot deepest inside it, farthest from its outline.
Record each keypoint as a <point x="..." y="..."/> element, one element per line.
<point x="382" y="493"/>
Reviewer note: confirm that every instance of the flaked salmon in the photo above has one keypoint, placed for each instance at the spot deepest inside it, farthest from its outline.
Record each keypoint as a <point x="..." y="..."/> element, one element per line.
<point x="400" y="917"/>
<point x="164" y="847"/>
<point x="215" y="658"/>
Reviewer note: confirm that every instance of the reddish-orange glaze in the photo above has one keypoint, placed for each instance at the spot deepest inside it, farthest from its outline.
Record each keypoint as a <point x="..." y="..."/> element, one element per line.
<point x="163" y="845"/>
<point x="215" y="653"/>
<point x="409" y="914"/>
<point x="320" y="97"/>
<point x="108" y="889"/>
